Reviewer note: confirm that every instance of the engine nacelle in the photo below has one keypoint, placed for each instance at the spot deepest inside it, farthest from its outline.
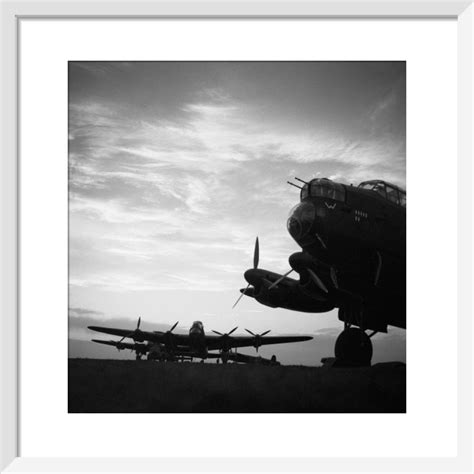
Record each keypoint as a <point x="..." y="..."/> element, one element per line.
<point x="274" y="298"/>
<point x="294" y="299"/>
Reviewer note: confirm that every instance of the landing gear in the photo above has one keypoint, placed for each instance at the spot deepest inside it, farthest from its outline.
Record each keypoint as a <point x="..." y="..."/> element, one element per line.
<point x="224" y="356"/>
<point x="353" y="347"/>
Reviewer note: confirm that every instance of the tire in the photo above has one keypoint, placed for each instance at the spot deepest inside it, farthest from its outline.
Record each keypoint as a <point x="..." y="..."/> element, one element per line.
<point x="353" y="347"/>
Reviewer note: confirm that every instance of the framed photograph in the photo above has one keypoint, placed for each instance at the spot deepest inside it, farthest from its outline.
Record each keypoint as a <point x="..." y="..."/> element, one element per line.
<point x="208" y="263"/>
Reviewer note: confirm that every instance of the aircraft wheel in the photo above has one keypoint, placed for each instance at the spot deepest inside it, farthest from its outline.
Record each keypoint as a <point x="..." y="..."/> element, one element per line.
<point x="353" y="346"/>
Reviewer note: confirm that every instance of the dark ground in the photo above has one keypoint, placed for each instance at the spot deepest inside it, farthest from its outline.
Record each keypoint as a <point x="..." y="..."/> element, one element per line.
<point x="128" y="386"/>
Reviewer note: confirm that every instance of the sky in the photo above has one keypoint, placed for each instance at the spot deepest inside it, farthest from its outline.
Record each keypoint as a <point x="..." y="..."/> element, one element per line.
<point x="176" y="167"/>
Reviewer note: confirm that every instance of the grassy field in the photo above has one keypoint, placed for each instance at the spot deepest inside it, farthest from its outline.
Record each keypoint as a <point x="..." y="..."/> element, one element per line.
<point x="122" y="386"/>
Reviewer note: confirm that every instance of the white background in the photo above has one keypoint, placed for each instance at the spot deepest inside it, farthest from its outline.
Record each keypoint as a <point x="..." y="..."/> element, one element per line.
<point x="429" y="428"/>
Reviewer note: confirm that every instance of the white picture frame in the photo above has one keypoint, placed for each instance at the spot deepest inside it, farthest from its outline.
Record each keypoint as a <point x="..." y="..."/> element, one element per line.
<point x="12" y="14"/>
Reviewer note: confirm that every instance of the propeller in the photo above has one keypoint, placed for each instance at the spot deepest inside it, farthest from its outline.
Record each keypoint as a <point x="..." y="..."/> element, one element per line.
<point x="256" y="254"/>
<point x="279" y="279"/>
<point x="134" y="333"/>
<point x="257" y="337"/>
<point x="225" y="337"/>
<point x="317" y="281"/>
<point x="172" y="328"/>
<point x="168" y="336"/>
<point x="241" y="294"/>
<point x="256" y="257"/>
<point x="333" y="275"/>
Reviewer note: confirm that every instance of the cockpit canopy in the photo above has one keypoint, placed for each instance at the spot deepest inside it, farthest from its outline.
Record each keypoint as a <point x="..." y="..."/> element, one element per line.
<point x="388" y="191"/>
<point x="323" y="187"/>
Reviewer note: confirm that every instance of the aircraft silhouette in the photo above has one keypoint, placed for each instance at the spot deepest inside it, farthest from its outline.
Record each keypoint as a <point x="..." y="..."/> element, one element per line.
<point x="196" y="344"/>
<point x="353" y="258"/>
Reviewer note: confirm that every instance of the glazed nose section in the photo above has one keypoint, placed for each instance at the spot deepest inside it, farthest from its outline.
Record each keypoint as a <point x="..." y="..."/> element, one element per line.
<point x="301" y="221"/>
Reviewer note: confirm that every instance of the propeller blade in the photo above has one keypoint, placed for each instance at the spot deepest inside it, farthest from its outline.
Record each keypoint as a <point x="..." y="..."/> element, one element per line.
<point x="217" y="332"/>
<point x="240" y="297"/>
<point x="256" y="253"/>
<point x="232" y="330"/>
<point x="379" y="268"/>
<point x="139" y="321"/>
<point x="174" y="325"/>
<point x="321" y="241"/>
<point x="266" y="332"/>
<point x="250" y="332"/>
<point x="334" y="277"/>
<point x="317" y="280"/>
<point x="279" y="280"/>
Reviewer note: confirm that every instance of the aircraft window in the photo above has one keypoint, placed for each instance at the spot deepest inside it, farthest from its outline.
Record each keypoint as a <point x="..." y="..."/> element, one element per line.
<point x="327" y="189"/>
<point x="379" y="188"/>
<point x="392" y="194"/>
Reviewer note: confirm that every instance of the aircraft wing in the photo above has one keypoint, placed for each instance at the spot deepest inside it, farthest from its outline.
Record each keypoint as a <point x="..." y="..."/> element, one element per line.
<point x="146" y="335"/>
<point x="212" y="342"/>
<point x="123" y="345"/>
<point x="217" y="342"/>
<point x="152" y="336"/>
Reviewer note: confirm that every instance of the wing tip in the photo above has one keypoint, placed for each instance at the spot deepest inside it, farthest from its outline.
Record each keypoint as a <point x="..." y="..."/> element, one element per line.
<point x="97" y="328"/>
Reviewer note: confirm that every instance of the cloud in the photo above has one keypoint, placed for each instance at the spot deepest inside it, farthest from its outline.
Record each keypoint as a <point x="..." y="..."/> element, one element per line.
<point x="83" y="312"/>
<point x="168" y="177"/>
<point x="95" y="68"/>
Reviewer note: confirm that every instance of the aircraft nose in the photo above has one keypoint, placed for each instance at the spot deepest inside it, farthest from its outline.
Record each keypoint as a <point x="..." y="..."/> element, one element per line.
<point x="301" y="221"/>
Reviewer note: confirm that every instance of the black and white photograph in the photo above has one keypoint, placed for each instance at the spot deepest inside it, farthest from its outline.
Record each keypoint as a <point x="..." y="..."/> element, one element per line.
<point x="237" y="237"/>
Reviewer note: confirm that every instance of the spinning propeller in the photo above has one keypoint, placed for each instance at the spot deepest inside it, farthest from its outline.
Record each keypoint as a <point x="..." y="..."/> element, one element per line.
<point x="258" y="338"/>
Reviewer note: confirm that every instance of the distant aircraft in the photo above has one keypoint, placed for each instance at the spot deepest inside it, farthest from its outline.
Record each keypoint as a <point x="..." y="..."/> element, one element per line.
<point x="353" y="258"/>
<point x="155" y="351"/>
<point x="196" y="344"/>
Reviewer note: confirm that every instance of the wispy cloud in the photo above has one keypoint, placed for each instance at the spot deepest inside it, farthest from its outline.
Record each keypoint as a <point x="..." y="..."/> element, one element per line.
<point x="199" y="183"/>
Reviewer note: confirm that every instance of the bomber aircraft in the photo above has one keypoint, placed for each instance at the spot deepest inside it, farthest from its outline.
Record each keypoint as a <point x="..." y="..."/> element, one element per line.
<point x="155" y="351"/>
<point x="353" y="258"/>
<point x="196" y="344"/>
